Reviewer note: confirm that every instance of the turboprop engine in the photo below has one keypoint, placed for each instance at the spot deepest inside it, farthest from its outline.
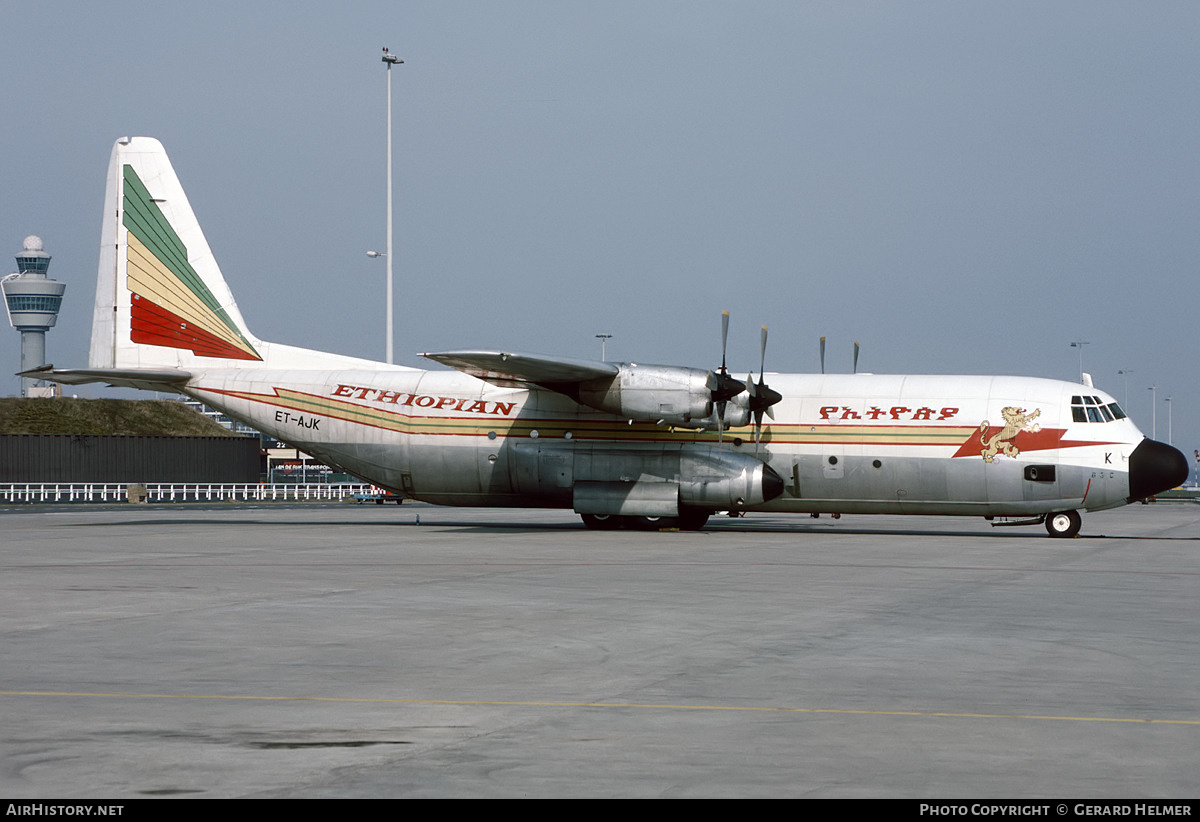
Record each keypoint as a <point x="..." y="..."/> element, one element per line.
<point x="661" y="483"/>
<point x="672" y="395"/>
<point x="667" y="394"/>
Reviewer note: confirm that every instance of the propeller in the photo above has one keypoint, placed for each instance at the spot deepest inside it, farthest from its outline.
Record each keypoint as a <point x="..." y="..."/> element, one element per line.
<point x="761" y="397"/>
<point x="722" y="386"/>
<point x="855" y="371"/>
<point x="822" y="355"/>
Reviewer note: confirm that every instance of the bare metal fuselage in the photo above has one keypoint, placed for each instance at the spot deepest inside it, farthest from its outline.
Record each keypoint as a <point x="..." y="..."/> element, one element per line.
<point x="841" y="443"/>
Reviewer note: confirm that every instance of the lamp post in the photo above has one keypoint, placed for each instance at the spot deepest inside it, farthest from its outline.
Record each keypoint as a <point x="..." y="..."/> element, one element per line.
<point x="389" y="59"/>
<point x="1125" y="372"/>
<point x="1080" y="344"/>
<point x="603" y="338"/>
<point x="1153" y="411"/>
<point x="387" y="334"/>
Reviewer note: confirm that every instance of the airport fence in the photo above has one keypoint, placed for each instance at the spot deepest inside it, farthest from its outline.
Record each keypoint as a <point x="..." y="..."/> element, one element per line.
<point x="177" y="491"/>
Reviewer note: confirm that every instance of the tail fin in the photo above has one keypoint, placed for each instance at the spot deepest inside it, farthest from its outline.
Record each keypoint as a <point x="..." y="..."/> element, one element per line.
<point x="161" y="302"/>
<point x="160" y="298"/>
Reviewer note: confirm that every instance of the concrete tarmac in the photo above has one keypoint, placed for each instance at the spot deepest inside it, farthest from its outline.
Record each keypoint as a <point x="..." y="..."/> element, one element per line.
<point x="330" y="650"/>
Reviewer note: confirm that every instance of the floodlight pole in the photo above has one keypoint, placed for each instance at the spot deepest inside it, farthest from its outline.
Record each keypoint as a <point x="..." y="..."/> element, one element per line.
<point x="1125" y="372"/>
<point x="390" y="59"/>
<point x="1153" y="411"/>
<point x="1080" y="344"/>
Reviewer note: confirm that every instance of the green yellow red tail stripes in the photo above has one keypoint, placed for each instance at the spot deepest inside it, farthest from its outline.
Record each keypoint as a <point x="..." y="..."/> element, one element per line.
<point x="169" y="303"/>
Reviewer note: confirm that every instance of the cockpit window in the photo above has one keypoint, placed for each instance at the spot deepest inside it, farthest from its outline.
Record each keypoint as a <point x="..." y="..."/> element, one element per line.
<point x="1094" y="409"/>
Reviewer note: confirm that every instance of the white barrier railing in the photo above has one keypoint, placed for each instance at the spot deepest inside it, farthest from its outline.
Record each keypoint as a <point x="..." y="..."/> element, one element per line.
<point x="177" y="491"/>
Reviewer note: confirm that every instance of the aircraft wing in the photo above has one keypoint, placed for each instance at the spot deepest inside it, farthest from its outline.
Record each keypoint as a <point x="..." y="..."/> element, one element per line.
<point x="522" y="370"/>
<point x="143" y="378"/>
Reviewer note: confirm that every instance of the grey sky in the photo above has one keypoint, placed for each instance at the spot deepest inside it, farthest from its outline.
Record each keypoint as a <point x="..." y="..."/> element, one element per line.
<point x="963" y="187"/>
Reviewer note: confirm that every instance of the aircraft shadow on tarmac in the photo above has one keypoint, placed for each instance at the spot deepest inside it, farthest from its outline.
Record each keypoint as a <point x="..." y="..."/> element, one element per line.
<point x="715" y="526"/>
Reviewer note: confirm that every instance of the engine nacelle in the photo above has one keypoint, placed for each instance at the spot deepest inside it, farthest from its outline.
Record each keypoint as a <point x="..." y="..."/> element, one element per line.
<point x="653" y="393"/>
<point x="737" y="415"/>
<point x="650" y="482"/>
<point x="719" y="479"/>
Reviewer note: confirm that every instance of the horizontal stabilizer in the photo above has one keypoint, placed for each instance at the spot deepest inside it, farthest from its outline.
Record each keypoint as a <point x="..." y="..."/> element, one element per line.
<point x="512" y="369"/>
<point x="143" y="378"/>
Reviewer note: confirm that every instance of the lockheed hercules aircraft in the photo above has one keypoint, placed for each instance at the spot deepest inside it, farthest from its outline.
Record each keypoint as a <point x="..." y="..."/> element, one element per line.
<point x="620" y="443"/>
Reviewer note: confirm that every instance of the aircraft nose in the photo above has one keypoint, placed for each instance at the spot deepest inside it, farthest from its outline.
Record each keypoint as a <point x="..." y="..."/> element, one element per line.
<point x="1153" y="467"/>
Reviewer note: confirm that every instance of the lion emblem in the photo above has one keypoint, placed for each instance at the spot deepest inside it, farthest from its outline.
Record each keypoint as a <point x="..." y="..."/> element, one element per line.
<point x="1015" y="421"/>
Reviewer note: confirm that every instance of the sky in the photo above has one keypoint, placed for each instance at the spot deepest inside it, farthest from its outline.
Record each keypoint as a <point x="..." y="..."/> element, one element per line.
<point x="962" y="187"/>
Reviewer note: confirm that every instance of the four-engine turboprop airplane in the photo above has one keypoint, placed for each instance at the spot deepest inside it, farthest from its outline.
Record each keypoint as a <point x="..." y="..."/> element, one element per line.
<point x="620" y="443"/>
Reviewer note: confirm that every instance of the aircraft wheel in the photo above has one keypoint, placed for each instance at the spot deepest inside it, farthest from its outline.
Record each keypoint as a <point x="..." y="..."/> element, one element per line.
<point x="1063" y="523"/>
<point x="653" y="523"/>
<point x="601" y="522"/>
<point x="692" y="519"/>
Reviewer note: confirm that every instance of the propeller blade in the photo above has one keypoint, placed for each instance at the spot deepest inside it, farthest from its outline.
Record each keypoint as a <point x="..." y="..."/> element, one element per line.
<point x="755" y="410"/>
<point x="725" y="386"/>
<point x="855" y="357"/>
<point x="762" y="397"/>
<point x="724" y="338"/>
<point x="822" y="355"/>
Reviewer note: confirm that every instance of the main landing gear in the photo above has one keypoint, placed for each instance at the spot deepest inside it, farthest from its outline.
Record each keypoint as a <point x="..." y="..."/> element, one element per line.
<point x="688" y="520"/>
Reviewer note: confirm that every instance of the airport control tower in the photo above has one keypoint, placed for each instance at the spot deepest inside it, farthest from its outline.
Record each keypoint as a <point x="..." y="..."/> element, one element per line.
<point x="32" y="300"/>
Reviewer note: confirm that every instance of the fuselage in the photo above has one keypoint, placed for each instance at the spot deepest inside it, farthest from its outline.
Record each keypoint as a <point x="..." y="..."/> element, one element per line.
<point x="620" y="443"/>
<point x="982" y="445"/>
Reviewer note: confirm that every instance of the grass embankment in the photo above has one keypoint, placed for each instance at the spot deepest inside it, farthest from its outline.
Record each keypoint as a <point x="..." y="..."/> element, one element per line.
<point x="1178" y="494"/>
<point x="64" y="415"/>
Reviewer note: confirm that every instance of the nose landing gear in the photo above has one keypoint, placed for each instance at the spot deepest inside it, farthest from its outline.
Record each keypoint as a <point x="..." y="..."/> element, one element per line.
<point x="1063" y="523"/>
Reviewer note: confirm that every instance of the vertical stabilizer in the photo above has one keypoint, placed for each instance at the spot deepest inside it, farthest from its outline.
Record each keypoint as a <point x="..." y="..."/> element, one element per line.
<point x="161" y="302"/>
<point x="160" y="298"/>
